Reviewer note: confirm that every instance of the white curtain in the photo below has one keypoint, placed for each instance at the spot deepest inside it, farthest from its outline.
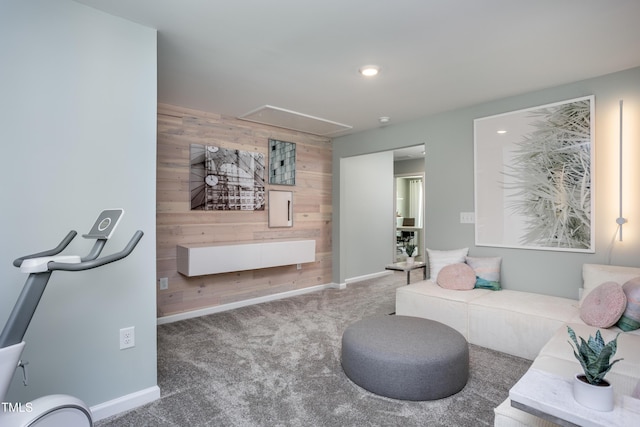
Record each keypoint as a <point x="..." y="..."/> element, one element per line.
<point x="415" y="201"/>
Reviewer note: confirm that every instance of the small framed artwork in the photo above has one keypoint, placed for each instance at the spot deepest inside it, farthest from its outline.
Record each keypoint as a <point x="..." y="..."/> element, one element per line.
<point x="282" y="162"/>
<point x="533" y="177"/>
<point x="280" y="208"/>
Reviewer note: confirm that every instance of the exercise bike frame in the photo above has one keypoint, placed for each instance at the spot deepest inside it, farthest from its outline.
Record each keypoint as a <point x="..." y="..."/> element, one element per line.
<point x="12" y="336"/>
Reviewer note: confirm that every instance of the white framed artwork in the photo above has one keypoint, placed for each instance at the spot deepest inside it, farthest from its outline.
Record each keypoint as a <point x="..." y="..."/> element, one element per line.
<point x="533" y="177"/>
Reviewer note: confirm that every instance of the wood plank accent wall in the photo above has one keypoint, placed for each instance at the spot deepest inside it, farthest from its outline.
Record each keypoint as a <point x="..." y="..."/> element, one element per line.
<point x="177" y="224"/>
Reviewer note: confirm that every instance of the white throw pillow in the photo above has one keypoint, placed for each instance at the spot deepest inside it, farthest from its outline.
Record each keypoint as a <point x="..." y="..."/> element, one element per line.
<point x="438" y="259"/>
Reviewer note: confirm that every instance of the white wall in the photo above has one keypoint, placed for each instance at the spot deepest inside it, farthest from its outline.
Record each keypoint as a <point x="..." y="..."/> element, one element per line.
<point x="366" y="212"/>
<point x="78" y="113"/>
<point x="449" y="184"/>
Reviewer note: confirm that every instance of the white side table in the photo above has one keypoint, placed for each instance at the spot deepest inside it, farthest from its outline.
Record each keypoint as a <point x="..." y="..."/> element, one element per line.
<point x="550" y="397"/>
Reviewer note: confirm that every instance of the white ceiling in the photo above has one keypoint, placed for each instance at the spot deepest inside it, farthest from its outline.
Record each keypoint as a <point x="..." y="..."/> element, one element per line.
<point x="233" y="56"/>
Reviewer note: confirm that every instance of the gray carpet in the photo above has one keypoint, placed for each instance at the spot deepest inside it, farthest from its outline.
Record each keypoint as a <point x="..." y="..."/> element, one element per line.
<point x="278" y="364"/>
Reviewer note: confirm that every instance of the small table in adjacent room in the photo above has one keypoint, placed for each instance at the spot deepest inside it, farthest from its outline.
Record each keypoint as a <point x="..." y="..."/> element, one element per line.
<point x="409" y="267"/>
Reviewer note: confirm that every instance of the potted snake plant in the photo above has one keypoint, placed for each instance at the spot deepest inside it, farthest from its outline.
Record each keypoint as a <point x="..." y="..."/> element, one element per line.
<point x="590" y="388"/>
<point x="411" y="250"/>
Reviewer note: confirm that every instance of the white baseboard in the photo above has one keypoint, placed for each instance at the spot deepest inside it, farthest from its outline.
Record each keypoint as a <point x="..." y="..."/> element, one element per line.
<point x="225" y="307"/>
<point x="368" y="276"/>
<point x="125" y="403"/>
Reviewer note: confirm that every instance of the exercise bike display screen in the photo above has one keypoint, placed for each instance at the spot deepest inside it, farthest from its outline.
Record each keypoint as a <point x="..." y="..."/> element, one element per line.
<point x="105" y="224"/>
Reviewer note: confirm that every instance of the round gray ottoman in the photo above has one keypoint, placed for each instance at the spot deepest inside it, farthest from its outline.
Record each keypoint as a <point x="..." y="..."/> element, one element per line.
<point x="406" y="358"/>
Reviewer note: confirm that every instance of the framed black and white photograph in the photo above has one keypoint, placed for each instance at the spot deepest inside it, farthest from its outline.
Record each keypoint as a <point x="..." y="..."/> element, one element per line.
<point x="533" y="177"/>
<point x="282" y="162"/>
<point x="224" y="179"/>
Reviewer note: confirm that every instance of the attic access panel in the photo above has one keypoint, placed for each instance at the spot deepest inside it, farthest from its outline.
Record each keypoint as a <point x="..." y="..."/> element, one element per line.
<point x="287" y="119"/>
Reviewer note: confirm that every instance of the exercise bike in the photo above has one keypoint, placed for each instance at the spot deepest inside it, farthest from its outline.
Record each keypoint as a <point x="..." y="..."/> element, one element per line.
<point x="56" y="410"/>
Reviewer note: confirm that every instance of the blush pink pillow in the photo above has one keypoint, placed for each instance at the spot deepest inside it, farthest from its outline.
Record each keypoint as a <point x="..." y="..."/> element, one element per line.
<point x="604" y="305"/>
<point x="458" y="276"/>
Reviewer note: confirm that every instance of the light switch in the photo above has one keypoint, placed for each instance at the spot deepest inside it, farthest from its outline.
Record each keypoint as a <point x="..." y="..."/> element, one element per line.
<point x="467" y="217"/>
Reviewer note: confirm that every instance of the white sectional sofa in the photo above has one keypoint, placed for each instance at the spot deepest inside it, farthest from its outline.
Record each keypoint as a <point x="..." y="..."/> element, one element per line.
<point x="528" y="325"/>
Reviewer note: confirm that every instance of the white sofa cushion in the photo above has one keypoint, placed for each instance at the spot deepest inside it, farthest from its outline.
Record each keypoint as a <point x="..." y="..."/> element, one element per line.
<point x="623" y="383"/>
<point x="428" y="300"/>
<point x="577" y="319"/>
<point x="593" y="275"/>
<point x="526" y="320"/>
<point x="558" y="347"/>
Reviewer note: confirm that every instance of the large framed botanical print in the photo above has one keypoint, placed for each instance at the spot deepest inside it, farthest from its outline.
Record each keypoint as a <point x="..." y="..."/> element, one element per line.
<point x="533" y="177"/>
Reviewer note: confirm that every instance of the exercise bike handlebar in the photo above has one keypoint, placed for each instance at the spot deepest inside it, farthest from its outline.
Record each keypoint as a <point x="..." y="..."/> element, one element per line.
<point x="55" y="251"/>
<point x="40" y="266"/>
<point x="48" y="261"/>
<point x="87" y="265"/>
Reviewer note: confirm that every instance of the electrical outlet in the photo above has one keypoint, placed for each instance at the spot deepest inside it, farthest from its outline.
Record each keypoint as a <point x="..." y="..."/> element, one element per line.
<point x="467" y="217"/>
<point x="299" y="266"/>
<point x="164" y="283"/>
<point x="127" y="337"/>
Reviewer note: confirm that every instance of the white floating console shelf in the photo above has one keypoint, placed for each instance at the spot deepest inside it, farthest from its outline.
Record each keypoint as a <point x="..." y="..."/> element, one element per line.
<point x="202" y="259"/>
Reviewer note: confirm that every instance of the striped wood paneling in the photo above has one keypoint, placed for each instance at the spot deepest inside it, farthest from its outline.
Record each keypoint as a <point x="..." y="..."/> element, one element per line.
<point x="177" y="224"/>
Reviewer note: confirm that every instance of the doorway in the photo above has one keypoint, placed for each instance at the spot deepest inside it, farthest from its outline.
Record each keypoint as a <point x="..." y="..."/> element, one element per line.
<point x="409" y="191"/>
<point x="409" y="203"/>
<point x="366" y="231"/>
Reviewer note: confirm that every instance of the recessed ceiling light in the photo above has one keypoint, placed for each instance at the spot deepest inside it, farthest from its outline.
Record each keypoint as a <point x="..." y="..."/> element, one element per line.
<point x="384" y="120"/>
<point x="369" y="70"/>
<point x="502" y="131"/>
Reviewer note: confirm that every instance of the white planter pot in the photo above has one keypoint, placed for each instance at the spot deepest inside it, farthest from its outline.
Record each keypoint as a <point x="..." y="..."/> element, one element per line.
<point x="410" y="260"/>
<point x="597" y="397"/>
